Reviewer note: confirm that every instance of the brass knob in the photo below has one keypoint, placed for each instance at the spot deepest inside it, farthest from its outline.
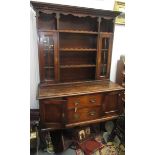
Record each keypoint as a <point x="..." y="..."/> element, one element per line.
<point x="75" y="109"/>
<point x="51" y="46"/>
<point x="76" y="103"/>
<point x="92" y="113"/>
<point x="93" y="100"/>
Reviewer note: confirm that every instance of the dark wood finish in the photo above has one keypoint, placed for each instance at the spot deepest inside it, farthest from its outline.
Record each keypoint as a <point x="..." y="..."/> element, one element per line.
<point x="78" y="88"/>
<point x="77" y="66"/>
<point x="75" y="40"/>
<point x="80" y="11"/>
<point x="107" y="25"/>
<point x="52" y="112"/>
<point x="78" y="31"/>
<point x="111" y="103"/>
<point x="83" y="101"/>
<point x="75" y="48"/>
<point x="78" y="23"/>
<point x="72" y="104"/>
<point x="101" y="119"/>
<point x="120" y="77"/>
<point x="84" y="114"/>
<point x="74" y="29"/>
<point x="78" y="49"/>
<point x="105" y="51"/>
<point x="49" y="62"/>
<point x="77" y="74"/>
<point x="46" y="21"/>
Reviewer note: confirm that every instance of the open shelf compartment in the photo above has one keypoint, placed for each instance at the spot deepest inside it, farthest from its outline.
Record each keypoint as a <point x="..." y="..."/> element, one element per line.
<point x="77" y="41"/>
<point x="76" y="23"/>
<point x="47" y="21"/>
<point x="77" y="74"/>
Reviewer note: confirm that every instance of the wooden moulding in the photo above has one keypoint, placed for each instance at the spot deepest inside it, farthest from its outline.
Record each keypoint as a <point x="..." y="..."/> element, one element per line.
<point x="81" y="11"/>
<point x="91" y="121"/>
<point x="77" y="88"/>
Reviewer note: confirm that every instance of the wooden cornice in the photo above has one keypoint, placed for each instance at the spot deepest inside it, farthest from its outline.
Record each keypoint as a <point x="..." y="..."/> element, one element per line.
<point x="73" y="9"/>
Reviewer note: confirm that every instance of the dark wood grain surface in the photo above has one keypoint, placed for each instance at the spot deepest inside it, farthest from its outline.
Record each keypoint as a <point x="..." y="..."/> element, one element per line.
<point x="75" y="49"/>
<point x="81" y="11"/>
<point x="79" y="88"/>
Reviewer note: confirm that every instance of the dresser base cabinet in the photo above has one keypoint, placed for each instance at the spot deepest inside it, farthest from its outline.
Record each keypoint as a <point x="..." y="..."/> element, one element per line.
<point x="69" y="110"/>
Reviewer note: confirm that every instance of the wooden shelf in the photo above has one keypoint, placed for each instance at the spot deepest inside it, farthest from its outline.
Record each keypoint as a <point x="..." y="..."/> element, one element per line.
<point x="77" y="66"/>
<point x="78" y="49"/>
<point x="105" y="49"/>
<point x="77" y="31"/>
<point x="123" y="84"/>
<point x="103" y="64"/>
<point x="48" y="67"/>
<point x="69" y="31"/>
<point x="47" y="30"/>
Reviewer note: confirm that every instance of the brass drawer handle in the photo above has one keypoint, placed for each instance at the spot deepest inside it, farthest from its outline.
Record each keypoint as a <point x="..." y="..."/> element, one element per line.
<point x="77" y="103"/>
<point x="51" y="46"/>
<point x="92" y="100"/>
<point x="92" y="113"/>
<point x="75" y="110"/>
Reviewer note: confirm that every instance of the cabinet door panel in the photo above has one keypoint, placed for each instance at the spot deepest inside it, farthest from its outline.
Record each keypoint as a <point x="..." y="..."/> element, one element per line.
<point x="52" y="111"/>
<point x="111" y="103"/>
<point x="104" y="55"/>
<point x="47" y="56"/>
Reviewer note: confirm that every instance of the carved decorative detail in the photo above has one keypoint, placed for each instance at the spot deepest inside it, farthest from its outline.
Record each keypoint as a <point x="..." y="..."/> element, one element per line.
<point x="57" y="15"/>
<point x="47" y="11"/>
<point x="74" y="9"/>
<point x="78" y="15"/>
<point x="107" y="18"/>
<point x="99" y="19"/>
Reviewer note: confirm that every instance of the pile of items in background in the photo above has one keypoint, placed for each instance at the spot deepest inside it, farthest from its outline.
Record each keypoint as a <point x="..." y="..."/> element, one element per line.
<point x="102" y="139"/>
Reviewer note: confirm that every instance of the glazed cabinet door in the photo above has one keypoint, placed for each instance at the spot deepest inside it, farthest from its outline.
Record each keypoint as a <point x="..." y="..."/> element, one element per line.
<point x="104" y="55"/>
<point x="52" y="113"/>
<point x="48" y="56"/>
<point x="112" y="103"/>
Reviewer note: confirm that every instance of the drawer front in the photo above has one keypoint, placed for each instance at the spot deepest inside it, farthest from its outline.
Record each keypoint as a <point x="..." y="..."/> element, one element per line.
<point x="84" y="114"/>
<point x="83" y="101"/>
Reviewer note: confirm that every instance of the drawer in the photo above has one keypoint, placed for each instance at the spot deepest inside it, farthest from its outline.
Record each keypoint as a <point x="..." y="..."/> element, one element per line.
<point x="82" y="101"/>
<point x="84" y="114"/>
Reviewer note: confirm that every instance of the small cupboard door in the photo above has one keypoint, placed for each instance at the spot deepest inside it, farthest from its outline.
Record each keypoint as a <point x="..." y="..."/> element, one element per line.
<point x="104" y="55"/>
<point x="112" y="103"/>
<point x="52" y="112"/>
<point x="48" y="58"/>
